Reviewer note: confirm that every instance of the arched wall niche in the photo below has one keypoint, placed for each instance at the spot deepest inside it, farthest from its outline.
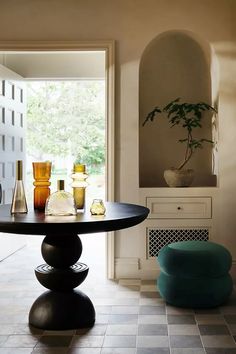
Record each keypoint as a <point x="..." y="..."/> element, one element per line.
<point x="176" y="64"/>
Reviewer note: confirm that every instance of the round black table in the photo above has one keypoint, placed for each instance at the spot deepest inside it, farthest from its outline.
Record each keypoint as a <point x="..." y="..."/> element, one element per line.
<point x="62" y="307"/>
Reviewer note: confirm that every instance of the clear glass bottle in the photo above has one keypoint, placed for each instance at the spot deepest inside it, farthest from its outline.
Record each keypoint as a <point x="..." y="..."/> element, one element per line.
<point x="19" y="204"/>
<point x="97" y="207"/>
<point x="60" y="202"/>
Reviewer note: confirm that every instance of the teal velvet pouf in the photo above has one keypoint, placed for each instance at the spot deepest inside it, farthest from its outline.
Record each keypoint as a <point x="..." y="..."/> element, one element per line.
<point x="195" y="274"/>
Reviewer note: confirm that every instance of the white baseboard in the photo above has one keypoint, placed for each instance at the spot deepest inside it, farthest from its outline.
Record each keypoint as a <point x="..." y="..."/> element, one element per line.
<point x="126" y="268"/>
<point x="129" y="268"/>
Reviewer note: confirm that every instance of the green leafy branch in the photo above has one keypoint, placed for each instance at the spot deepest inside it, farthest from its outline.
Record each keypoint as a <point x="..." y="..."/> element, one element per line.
<point x="189" y="116"/>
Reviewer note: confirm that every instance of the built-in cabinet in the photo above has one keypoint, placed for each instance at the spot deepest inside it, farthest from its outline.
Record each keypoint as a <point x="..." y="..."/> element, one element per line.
<point x="175" y="64"/>
<point x="176" y="214"/>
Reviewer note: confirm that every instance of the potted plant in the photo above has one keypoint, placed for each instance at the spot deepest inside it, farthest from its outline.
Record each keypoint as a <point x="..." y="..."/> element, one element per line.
<point x="189" y="116"/>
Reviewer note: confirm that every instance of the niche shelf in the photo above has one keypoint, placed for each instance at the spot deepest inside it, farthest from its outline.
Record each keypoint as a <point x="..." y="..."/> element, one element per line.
<point x="176" y="64"/>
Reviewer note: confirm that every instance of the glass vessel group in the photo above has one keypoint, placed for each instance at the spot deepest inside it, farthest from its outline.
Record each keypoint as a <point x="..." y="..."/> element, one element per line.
<point x="59" y="203"/>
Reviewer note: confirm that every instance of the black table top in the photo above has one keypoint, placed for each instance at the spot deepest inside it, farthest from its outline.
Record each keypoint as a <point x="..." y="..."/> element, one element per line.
<point x="118" y="216"/>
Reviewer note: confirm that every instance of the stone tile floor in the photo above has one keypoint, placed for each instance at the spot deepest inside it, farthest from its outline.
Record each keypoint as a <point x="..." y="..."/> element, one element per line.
<point x="131" y="317"/>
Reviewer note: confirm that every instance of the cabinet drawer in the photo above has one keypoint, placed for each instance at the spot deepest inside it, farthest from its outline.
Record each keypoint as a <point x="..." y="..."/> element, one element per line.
<point x="179" y="208"/>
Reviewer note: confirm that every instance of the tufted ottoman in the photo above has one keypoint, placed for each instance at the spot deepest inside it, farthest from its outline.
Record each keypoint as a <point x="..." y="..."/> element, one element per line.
<point x="195" y="274"/>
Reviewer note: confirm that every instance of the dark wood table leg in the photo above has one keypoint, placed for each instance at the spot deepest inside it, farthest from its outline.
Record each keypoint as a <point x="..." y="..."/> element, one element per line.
<point x="62" y="307"/>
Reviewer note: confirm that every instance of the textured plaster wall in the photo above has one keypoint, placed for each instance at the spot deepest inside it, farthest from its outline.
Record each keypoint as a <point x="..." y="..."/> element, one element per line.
<point x="133" y="24"/>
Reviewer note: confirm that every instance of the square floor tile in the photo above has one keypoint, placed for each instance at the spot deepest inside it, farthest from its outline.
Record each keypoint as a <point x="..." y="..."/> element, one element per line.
<point x="84" y="351"/>
<point x="102" y="319"/>
<point x="20" y="341"/>
<point x="213" y="330"/>
<point x="181" y="329"/>
<point x="183" y="341"/>
<point x="187" y="351"/>
<point x="210" y="319"/>
<point x="103" y="310"/>
<point x="152" y="330"/>
<point x="152" y="341"/>
<point x="181" y="319"/>
<point x="232" y="328"/>
<point x="116" y="330"/>
<point x="96" y="330"/>
<point x="3" y="339"/>
<point x="119" y="342"/>
<point x="153" y="351"/>
<point x="152" y="301"/>
<point x="126" y="302"/>
<point x="220" y="351"/>
<point x="210" y="311"/>
<point x="152" y="310"/>
<point x="150" y="294"/>
<point x="130" y="282"/>
<point x="149" y="319"/>
<point x="129" y="287"/>
<point x="125" y="310"/>
<point x="127" y="295"/>
<point x="230" y="319"/>
<point x="148" y="281"/>
<point x="16" y="351"/>
<point x="50" y="350"/>
<point x="123" y="319"/>
<point x="149" y="287"/>
<point x="54" y="341"/>
<point x="87" y="341"/>
<point x="218" y="341"/>
<point x="171" y="310"/>
<point x="118" y="351"/>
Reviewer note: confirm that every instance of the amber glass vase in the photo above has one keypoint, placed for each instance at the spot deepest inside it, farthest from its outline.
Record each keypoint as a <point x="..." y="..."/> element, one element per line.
<point x="42" y="174"/>
<point x="79" y="184"/>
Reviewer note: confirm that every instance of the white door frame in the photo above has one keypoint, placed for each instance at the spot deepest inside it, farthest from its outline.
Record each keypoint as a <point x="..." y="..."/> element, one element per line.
<point x="109" y="48"/>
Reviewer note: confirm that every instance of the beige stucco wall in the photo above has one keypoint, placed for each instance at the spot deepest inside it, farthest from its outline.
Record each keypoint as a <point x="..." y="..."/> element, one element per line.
<point x="133" y="24"/>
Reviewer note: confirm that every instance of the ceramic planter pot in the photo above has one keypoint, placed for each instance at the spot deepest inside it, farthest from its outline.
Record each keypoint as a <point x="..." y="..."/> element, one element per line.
<point x="179" y="178"/>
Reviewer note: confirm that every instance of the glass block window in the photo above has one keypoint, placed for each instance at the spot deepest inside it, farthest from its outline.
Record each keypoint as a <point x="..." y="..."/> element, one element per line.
<point x="158" y="238"/>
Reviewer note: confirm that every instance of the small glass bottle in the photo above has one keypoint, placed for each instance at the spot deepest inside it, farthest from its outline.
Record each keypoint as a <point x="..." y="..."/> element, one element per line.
<point x="97" y="207"/>
<point x="41" y="173"/>
<point x="60" y="202"/>
<point x="19" y="204"/>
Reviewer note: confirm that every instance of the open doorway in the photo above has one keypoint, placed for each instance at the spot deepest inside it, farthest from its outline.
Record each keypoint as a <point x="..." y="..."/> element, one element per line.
<point x="26" y="69"/>
<point x="65" y="124"/>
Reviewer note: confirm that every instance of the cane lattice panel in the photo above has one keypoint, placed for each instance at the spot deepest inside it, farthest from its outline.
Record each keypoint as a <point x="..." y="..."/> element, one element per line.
<point x="158" y="238"/>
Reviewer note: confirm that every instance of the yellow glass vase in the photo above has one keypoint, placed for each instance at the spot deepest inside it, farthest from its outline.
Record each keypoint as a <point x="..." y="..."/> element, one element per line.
<point x="79" y="185"/>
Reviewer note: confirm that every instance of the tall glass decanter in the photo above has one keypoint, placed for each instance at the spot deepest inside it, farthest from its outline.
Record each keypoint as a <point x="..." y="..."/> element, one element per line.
<point x="19" y="204"/>
<point x="60" y="202"/>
